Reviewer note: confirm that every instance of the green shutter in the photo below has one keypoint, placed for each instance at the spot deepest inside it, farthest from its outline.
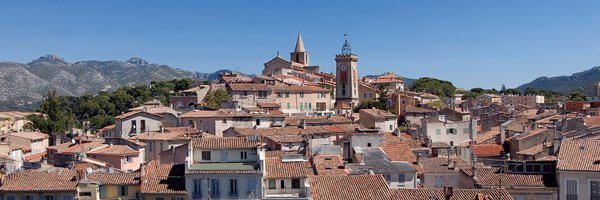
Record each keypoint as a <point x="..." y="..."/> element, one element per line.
<point x="438" y="131"/>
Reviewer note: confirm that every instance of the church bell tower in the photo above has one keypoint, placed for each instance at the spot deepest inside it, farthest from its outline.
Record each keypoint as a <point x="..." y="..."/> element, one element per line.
<point x="299" y="55"/>
<point x="346" y="93"/>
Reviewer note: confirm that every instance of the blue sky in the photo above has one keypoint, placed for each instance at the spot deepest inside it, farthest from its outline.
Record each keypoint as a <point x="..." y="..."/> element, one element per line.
<point x="471" y="43"/>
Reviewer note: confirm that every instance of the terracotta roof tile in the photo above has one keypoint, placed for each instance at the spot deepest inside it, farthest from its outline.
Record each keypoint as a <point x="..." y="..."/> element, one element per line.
<point x="491" y="177"/>
<point x="458" y="194"/>
<point x="278" y="169"/>
<point x="399" y="150"/>
<point x="378" y="113"/>
<point x="115" y="178"/>
<point x="362" y="187"/>
<point x="163" y="179"/>
<point x="413" y="109"/>
<point x="486" y="150"/>
<point x="224" y="143"/>
<point x="32" y="181"/>
<point x="132" y="113"/>
<point x="116" y="150"/>
<point x="579" y="155"/>
<point x="329" y="165"/>
<point x="30" y="135"/>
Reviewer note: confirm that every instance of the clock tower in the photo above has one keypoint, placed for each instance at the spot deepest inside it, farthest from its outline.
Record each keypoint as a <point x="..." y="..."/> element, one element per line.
<point x="346" y="91"/>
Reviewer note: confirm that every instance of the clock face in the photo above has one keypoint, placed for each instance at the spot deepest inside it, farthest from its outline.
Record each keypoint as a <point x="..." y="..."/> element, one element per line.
<point x="343" y="67"/>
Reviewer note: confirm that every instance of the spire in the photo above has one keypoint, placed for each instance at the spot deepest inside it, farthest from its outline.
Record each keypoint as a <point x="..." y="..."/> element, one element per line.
<point x="299" y="44"/>
<point x="346" y="49"/>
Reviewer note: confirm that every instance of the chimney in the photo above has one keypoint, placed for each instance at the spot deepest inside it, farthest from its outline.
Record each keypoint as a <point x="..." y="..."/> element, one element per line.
<point x="303" y="123"/>
<point x="142" y="169"/>
<point x="556" y="145"/>
<point x="448" y="192"/>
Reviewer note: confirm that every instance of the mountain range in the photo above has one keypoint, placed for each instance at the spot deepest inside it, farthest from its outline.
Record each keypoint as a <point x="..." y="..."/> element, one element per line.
<point x="24" y="83"/>
<point x="578" y="82"/>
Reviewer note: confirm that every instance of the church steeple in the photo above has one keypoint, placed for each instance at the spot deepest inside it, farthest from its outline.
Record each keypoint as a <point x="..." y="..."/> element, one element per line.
<point x="299" y="44"/>
<point x="299" y="55"/>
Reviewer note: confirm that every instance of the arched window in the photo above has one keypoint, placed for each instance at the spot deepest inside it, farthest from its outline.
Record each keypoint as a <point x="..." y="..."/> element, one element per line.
<point x="343" y="89"/>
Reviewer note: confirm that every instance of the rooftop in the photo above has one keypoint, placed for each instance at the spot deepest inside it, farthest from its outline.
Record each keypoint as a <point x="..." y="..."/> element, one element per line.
<point x="224" y="143"/>
<point x="579" y="155"/>
<point x="364" y="187"/>
<point x="378" y="113"/>
<point x="65" y="180"/>
<point x="492" y="177"/>
<point x="458" y="194"/>
<point x="163" y="179"/>
<point x="115" y="178"/>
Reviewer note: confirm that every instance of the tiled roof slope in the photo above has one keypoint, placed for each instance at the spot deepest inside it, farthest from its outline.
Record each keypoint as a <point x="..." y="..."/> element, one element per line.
<point x="115" y="178"/>
<point x="163" y="179"/>
<point x="224" y="143"/>
<point x="579" y="155"/>
<point x="364" y="187"/>
<point x="276" y="169"/>
<point x="491" y="177"/>
<point x="41" y="181"/>
<point x="458" y="194"/>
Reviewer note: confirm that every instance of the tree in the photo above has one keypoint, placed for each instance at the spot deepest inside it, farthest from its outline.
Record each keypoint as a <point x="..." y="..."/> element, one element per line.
<point x="213" y="98"/>
<point x="437" y="104"/>
<point x="57" y="119"/>
<point x="513" y="91"/>
<point x="382" y="100"/>
<point x="434" y="86"/>
<point x="503" y="89"/>
<point x="577" y="96"/>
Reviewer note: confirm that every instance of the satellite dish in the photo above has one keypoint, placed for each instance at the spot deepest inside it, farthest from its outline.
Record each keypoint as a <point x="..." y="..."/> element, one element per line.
<point x="73" y="141"/>
<point x="89" y="170"/>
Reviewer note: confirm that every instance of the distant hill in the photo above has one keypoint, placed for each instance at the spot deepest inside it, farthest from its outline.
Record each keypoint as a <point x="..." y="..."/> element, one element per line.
<point x="25" y="84"/>
<point x="581" y="81"/>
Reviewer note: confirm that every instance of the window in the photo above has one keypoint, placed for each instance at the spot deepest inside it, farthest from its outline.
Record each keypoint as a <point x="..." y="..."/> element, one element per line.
<point x="233" y="188"/>
<point x="133" y="126"/>
<point x="177" y="198"/>
<point x="466" y="130"/>
<point x="30" y="197"/>
<point x="369" y="144"/>
<point x="190" y="122"/>
<point x="343" y="89"/>
<point x="279" y="95"/>
<point x="365" y="95"/>
<point x="271" y="184"/>
<point x="438" y="131"/>
<point x="102" y="191"/>
<point x="295" y="183"/>
<point x="301" y="106"/>
<point x="245" y="93"/>
<point x="161" y="146"/>
<point x="572" y="190"/>
<point x="258" y="122"/>
<point x="197" y="192"/>
<point x="243" y="155"/>
<point x="391" y="127"/>
<point x="309" y="106"/>
<point x="287" y="94"/>
<point x="215" y="189"/>
<point x="323" y="95"/>
<point x="11" y="197"/>
<point x="160" y="198"/>
<point x="206" y="155"/>
<point x="288" y="105"/>
<point x="370" y="95"/>
<point x="262" y="94"/>
<point x="67" y="197"/>
<point x="128" y="159"/>
<point x="451" y="143"/>
<point x="388" y="178"/>
<point x="450" y="131"/>
<point x="595" y="189"/>
<point x="301" y="94"/>
<point x="403" y="101"/>
<point x="251" y="188"/>
<point x="224" y="121"/>
<point x="401" y="178"/>
<point x="282" y="184"/>
<point x="122" y="190"/>
<point x="142" y="125"/>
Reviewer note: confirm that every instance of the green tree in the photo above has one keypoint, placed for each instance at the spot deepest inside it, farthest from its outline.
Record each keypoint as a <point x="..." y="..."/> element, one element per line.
<point x="437" y="104"/>
<point x="577" y="96"/>
<point x="503" y="89"/>
<point x="213" y="98"/>
<point x="382" y="100"/>
<point x="434" y="86"/>
<point x="56" y="119"/>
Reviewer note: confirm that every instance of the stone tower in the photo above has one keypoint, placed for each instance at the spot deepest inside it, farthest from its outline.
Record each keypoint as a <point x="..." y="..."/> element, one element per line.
<point x="346" y="93"/>
<point x="299" y="55"/>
